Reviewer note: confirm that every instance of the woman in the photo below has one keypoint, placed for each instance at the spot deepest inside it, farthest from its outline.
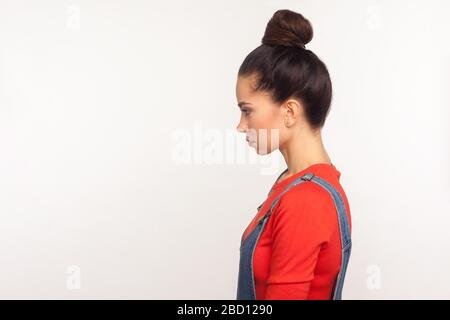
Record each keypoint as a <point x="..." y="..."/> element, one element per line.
<point x="298" y="244"/>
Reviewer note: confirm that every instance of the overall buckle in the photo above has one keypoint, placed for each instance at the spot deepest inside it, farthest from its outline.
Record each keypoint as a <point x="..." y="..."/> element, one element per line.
<point x="307" y="176"/>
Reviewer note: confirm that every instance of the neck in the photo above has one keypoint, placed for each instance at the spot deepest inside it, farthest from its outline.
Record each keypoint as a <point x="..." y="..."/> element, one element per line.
<point x="304" y="149"/>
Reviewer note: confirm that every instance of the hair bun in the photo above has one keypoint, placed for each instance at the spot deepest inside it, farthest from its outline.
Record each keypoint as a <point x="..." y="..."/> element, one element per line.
<point x="288" y="28"/>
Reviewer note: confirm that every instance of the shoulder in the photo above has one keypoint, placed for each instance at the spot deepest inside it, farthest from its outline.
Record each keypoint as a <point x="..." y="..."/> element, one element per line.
<point x="307" y="202"/>
<point x="307" y="194"/>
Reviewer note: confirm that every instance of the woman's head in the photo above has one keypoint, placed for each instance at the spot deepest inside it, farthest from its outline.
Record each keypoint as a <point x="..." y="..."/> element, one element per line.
<point x="287" y="86"/>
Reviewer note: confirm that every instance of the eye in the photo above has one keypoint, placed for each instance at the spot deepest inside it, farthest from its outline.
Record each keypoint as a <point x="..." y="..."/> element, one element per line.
<point x="246" y="111"/>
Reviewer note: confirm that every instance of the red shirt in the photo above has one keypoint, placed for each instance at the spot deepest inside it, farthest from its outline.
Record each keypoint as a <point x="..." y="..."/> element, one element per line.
<point x="298" y="254"/>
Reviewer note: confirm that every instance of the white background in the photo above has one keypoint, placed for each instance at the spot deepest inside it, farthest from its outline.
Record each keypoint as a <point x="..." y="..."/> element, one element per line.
<point x="94" y="93"/>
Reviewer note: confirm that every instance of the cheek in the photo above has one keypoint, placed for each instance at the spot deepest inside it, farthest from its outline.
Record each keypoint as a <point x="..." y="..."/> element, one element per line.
<point x="269" y="128"/>
<point x="269" y="134"/>
<point x="266" y="120"/>
<point x="268" y="140"/>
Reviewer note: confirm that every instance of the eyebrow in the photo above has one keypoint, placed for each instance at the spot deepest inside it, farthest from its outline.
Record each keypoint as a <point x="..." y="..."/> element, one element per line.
<point x="241" y="103"/>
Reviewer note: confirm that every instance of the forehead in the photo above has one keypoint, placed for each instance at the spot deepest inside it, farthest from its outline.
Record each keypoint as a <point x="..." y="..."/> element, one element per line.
<point x="245" y="87"/>
<point x="245" y="90"/>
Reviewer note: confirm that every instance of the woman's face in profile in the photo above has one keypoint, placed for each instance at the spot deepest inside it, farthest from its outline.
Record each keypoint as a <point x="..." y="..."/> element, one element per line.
<point x="261" y="119"/>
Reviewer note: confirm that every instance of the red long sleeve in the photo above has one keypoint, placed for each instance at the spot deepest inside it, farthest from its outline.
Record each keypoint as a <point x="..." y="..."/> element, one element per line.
<point x="298" y="233"/>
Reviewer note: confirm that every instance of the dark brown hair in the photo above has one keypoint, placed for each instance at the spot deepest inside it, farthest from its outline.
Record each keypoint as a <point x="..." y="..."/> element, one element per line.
<point x="286" y="69"/>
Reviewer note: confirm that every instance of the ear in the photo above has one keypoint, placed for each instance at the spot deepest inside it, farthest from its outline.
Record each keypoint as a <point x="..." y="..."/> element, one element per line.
<point x="292" y="112"/>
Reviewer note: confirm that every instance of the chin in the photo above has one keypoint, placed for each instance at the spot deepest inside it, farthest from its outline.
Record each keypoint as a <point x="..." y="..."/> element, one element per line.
<point x="263" y="151"/>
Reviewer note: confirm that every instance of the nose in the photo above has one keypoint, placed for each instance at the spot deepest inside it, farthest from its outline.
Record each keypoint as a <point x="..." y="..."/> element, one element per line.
<point x="241" y="127"/>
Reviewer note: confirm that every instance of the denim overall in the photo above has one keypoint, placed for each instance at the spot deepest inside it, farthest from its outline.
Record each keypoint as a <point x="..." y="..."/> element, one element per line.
<point x="246" y="282"/>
